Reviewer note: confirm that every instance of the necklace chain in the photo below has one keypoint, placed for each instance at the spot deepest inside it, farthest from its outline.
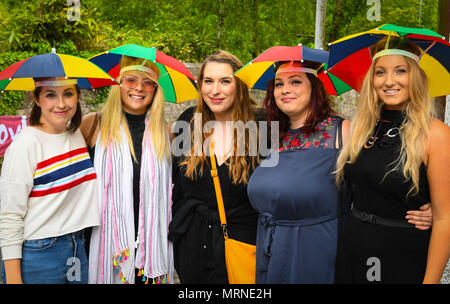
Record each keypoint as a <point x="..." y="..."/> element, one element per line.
<point x="392" y="132"/>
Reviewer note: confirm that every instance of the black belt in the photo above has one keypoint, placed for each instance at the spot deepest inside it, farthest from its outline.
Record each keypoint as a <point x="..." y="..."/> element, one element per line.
<point x="374" y="219"/>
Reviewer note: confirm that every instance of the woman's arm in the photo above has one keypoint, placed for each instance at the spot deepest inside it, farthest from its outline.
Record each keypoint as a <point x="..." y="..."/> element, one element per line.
<point x="13" y="271"/>
<point x="346" y="125"/>
<point x="16" y="182"/>
<point x="171" y="134"/>
<point x="438" y="172"/>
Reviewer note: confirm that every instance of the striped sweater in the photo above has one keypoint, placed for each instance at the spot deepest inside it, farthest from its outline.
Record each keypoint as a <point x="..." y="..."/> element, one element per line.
<point x="47" y="188"/>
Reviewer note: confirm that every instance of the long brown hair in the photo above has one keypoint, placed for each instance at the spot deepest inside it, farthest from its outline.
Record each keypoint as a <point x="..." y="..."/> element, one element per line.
<point x="243" y="109"/>
<point x="319" y="104"/>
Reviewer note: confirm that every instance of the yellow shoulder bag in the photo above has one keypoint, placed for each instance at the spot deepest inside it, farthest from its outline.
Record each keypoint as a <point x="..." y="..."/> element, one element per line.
<point x="240" y="257"/>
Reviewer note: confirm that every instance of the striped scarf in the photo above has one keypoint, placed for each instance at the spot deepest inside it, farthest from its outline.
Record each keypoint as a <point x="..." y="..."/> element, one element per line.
<point x="114" y="254"/>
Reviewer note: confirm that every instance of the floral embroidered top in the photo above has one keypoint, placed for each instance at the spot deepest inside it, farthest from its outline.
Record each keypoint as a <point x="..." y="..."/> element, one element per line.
<point x="297" y="139"/>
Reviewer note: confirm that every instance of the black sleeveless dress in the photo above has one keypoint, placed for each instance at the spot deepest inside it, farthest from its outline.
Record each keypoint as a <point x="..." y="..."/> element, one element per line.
<point x="373" y="253"/>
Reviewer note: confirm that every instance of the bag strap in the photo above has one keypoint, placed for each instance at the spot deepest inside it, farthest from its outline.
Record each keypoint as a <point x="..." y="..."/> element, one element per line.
<point x="219" y="197"/>
<point x="339" y="133"/>
<point x="91" y="133"/>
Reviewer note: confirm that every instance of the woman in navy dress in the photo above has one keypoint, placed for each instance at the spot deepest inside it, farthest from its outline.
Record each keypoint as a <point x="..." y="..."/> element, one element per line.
<point x="297" y="200"/>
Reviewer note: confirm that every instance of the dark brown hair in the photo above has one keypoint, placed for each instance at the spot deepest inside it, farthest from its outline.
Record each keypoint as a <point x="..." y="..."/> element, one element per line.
<point x="319" y="106"/>
<point x="35" y="115"/>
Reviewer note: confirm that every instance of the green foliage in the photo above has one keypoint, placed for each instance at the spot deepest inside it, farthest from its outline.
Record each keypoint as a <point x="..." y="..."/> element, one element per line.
<point x="398" y="12"/>
<point x="188" y="30"/>
<point x="11" y="101"/>
<point x="40" y="25"/>
<point x="97" y="97"/>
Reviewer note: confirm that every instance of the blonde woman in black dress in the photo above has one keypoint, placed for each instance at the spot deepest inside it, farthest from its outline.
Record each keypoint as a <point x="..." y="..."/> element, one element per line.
<point x="397" y="159"/>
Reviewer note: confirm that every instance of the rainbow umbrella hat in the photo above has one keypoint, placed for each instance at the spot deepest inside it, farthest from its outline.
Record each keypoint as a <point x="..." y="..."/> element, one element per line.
<point x="350" y="57"/>
<point x="20" y="75"/>
<point x="177" y="82"/>
<point x="257" y="73"/>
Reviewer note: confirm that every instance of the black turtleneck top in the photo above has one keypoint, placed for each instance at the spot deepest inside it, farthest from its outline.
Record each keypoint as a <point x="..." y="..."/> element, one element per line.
<point x="136" y="124"/>
<point x="376" y="192"/>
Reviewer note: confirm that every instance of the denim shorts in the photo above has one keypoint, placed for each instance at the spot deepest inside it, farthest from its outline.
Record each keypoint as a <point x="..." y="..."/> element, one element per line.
<point x="54" y="260"/>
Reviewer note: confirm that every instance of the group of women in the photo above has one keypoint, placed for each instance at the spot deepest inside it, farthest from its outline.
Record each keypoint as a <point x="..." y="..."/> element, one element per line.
<point x="340" y="195"/>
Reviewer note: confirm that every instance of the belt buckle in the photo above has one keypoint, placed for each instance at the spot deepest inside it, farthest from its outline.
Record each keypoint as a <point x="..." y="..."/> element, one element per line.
<point x="367" y="217"/>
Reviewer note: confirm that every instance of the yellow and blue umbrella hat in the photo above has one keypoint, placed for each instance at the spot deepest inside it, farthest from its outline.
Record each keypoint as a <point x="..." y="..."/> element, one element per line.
<point x="21" y="75"/>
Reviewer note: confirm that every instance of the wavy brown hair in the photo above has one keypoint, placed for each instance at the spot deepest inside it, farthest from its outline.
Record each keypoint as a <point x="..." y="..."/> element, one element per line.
<point x="243" y="109"/>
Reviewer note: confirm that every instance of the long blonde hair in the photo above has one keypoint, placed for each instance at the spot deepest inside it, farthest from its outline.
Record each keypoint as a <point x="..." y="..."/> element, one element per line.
<point x="112" y="116"/>
<point x="414" y="131"/>
<point x="243" y="109"/>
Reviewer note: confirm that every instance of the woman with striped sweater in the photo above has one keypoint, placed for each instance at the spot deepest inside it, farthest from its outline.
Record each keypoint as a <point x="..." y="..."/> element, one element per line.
<point x="48" y="191"/>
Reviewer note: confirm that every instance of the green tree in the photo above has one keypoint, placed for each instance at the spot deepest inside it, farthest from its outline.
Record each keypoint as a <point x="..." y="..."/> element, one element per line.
<point x="40" y="25"/>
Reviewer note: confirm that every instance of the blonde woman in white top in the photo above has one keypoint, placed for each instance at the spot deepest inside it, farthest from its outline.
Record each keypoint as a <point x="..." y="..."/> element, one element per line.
<point x="130" y="141"/>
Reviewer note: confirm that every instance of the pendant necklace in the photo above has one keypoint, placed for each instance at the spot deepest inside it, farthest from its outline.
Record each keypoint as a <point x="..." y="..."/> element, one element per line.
<point x="371" y="141"/>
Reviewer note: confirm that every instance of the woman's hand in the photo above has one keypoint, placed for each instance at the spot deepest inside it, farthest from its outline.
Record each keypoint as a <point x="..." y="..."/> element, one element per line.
<point x="422" y="218"/>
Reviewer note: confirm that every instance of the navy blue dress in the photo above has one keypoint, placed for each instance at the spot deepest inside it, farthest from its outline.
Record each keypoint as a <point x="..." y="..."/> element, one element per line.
<point x="297" y="203"/>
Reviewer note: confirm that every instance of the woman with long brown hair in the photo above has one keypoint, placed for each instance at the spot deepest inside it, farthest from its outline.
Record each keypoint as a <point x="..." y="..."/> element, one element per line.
<point x="195" y="229"/>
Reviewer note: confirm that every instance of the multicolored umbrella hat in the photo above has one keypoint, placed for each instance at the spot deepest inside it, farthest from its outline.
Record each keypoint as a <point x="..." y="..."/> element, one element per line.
<point x="177" y="82"/>
<point x="20" y="75"/>
<point x="257" y="73"/>
<point x="350" y="57"/>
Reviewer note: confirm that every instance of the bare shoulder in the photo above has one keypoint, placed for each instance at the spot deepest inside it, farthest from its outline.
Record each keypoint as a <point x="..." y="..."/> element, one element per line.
<point x="439" y="133"/>
<point x="346" y="125"/>
<point x="87" y="123"/>
<point x="438" y="145"/>
<point x="171" y="134"/>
